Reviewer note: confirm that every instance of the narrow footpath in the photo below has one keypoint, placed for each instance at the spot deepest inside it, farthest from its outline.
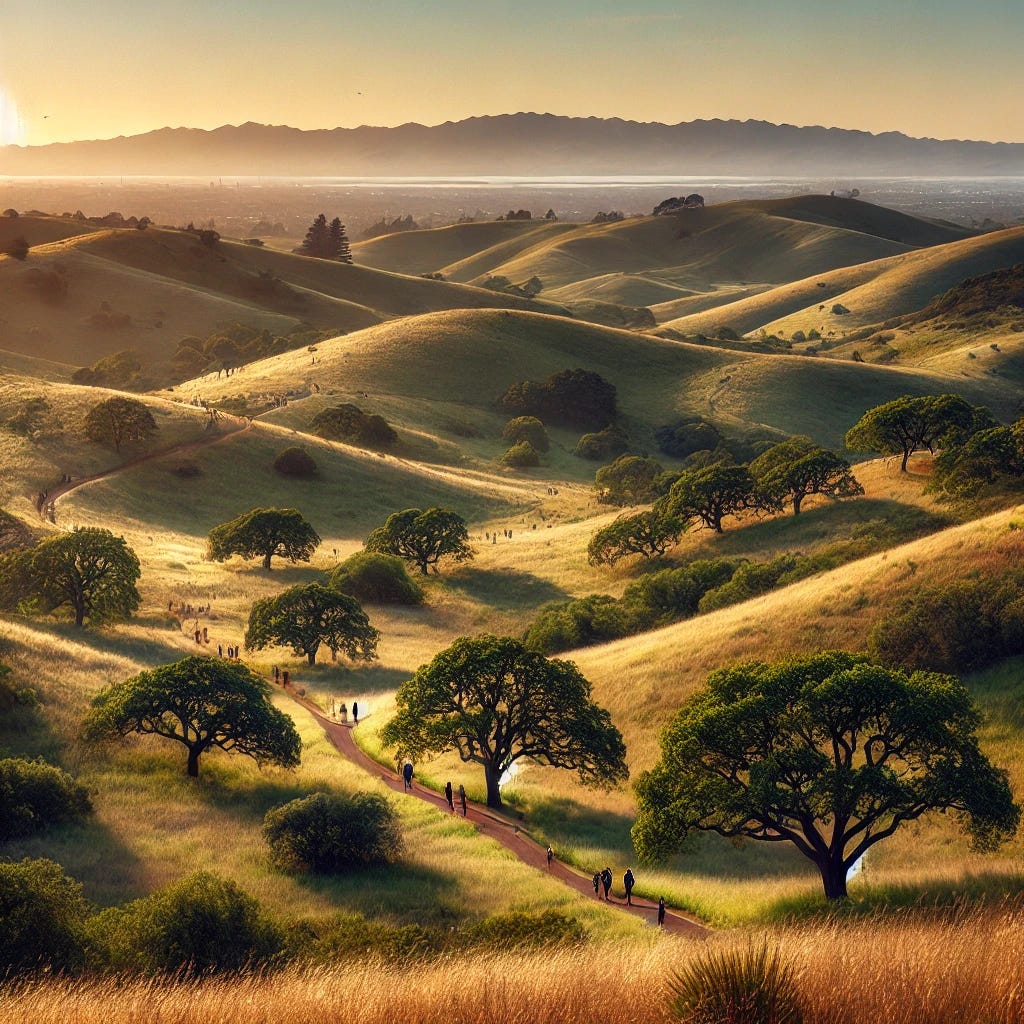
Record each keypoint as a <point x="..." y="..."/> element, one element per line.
<point x="496" y="827"/>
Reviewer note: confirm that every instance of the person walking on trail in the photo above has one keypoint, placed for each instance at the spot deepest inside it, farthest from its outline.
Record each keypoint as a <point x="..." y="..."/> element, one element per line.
<point x="355" y="713"/>
<point x="551" y="857"/>
<point x="462" y="798"/>
<point x="661" y="911"/>
<point x="597" y="884"/>
<point x="606" y="881"/>
<point x="449" y="796"/>
<point x="627" y="884"/>
<point x="407" y="775"/>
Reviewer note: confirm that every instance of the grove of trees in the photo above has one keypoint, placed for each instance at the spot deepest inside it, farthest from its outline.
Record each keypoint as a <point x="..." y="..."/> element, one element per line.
<point x="493" y="701"/>
<point x="326" y="241"/>
<point x="570" y="398"/>
<point x="828" y="752"/>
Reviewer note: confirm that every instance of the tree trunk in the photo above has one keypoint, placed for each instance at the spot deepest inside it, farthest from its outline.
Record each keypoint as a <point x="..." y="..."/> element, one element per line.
<point x="903" y="464"/>
<point x="79" y="614"/>
<point x="423" y="568"/>
<point x="311" y="657"/>
<point x="833" y="877"/>
<point x="193" y="763"/>
<point x="492" y="774"/>
<point x="266" y="559"/>
<point x="797" y="499"/>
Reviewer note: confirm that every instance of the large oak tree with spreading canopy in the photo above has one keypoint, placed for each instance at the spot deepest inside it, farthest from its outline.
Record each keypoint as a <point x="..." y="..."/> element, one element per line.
<point x="830" y="753"/>
<point x="494" y="702"/>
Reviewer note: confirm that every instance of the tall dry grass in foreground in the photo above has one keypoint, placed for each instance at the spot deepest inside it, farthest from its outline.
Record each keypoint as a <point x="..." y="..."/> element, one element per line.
<point x="966" y="967"/>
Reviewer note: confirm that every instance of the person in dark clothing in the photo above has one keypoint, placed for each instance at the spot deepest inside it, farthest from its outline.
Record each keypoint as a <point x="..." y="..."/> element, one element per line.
<point x="355" y="713"/>
<point x="407" y="775"/>
<point x="661" y="911"/>
<point x="551" y="857"/>
<point x="462" y="798"/>
<point x="597" y="884"/>
<point x="449" y="796"/>
<point x="627" y="883"/>
<point x="606" y="881"/>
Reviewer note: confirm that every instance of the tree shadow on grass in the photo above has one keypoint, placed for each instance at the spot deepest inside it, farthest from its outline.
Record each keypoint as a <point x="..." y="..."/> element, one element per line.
<point x="567" y="820"/>
<point x="505" y="589"/>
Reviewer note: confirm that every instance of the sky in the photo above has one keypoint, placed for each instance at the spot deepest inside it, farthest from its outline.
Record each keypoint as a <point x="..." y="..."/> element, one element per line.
<point x="85" y="69"/>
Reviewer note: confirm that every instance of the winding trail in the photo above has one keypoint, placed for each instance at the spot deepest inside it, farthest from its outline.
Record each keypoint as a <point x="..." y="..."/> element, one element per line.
<point x="491" y="824"/>
<point x="487" y="822"/>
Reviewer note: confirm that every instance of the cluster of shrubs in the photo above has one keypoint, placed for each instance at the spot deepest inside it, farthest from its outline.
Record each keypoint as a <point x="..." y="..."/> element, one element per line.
<point x="376" y="578"/>
<point x="528" y="441"/>
<point x="347" y="422"/>
<point x="204" y="923"/>
<point x="692" y="435"/>
<point x="992" y="459"/>
<point x="236" y="345"/>
<point x="569" y="398"/>
<point x="35" y="796"/>
<point x="961" y="626"/>
<point x="119" y="370"/>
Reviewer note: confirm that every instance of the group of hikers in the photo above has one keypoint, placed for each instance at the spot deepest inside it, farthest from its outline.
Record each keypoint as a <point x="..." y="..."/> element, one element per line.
<point x="405" y="769"/>
<point x="602" y="882"/>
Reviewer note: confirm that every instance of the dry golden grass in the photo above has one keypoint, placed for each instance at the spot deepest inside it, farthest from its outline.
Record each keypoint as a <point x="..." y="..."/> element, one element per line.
<point x="966" y="967"/>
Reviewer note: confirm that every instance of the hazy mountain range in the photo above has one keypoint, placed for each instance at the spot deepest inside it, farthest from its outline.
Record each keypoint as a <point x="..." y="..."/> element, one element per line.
<point x="521" y="144"/>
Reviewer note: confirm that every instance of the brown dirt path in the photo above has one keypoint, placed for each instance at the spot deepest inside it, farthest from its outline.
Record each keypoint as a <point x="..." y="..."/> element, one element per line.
<point x="498" y="828"/>
<point x="215" y="436"/>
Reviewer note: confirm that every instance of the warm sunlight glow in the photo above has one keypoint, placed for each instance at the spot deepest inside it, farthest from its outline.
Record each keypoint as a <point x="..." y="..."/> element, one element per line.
<point x="10" y="123"/>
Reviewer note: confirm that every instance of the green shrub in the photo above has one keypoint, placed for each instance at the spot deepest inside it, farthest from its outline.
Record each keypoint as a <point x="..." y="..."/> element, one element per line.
<point x="348" y="422"/>
<point x="527" y="428"/>
<point x="325" y="833"/>
<point x="751" y="986"/>
<point x="957" y="627"/>
<point x="42" y="918"/>
<point x="672" y="594"/>
<point x="35" y="795"/>
<point x="686" y="436"/>
<point x="750" y="580"/>
<point x="351" y="935"/>
<point x="523" y="930"/>
<point x="571" y="398"/>
<point x="295" y="462"/>
<point x="196" y="925"/>
<point x="521" y="456"/>
<point x="588" y="620"/>
<point x="604" y="444"/>
<point x="376" y="578"/>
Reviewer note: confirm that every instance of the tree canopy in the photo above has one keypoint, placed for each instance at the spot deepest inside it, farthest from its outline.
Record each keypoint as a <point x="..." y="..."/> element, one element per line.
<point x="423" y="537"/>
<point x="794" y="469"/>
<point x="647" y="533"/>
<point x="347" y="422"/>
<point x="326" y="241"/>
<point x="572" y="398"/>
<point x="710" y="493"/>
<point x="89" y="570"/>
<point x="909" y="424"/>
<point x="992" y="456"/>
<point x="309" y="616"/>
<point x="829" y="752"/>
<point x="629" y="480"/>
<point x="117" y="420"/>
<point x="494" y="702"/>
<point x="201" y="703"/>
<point x="264" y="533"/>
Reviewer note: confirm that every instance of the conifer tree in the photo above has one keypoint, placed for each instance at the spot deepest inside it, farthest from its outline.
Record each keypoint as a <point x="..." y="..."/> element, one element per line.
<point x="338" y="242"/>
<point x="317" y="240"/>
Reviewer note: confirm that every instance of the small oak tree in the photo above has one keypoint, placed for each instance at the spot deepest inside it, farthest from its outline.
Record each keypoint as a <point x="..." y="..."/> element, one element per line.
<point x="423" y="536"/>
<point x="201" y="703"/>
<point x="828" y="752"/>
<point x="264" y="533"/>
<point x="89" y="570"/>
<point x="116" y="420"/>
<point x="306" y="617"/>
<point x="790" y="471"/>
<point x="646" y="533"/>
<point x="629" y="480"/>
<point x="710" y="493"/>
<point x="494" y="702"/>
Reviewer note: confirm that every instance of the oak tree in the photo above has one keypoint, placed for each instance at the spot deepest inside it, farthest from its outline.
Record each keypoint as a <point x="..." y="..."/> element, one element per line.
<point x="828" y="752"/>
<point x="201" y="703"/>
<point x="264" y="533"/>
<point x="423" y="537"/>
<point x="794" y="469"/>
<point x="647" y="533"/>
<point x="494" y="702"/>
<point x="117" y="420"/>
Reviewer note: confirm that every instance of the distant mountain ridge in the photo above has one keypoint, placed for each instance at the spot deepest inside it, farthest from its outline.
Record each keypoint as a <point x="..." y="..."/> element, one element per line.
<point x="521" y="144"/>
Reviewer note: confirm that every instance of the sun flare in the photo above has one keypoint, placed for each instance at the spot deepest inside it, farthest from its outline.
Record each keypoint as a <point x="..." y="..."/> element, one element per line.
<point x="10" y="123"/>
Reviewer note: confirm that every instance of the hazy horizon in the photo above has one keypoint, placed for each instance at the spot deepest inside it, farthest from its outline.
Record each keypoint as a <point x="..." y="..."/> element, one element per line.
<point x="930" y="68"/>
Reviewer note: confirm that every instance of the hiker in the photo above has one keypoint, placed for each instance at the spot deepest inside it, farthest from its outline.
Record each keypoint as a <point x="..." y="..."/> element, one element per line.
<point x="355" y="713"/>
<point x="661" y="911"/>
<point x="220" y="650"/>
<point x="627" y="882"/>
<point x="407" y="775"/>
<point x="277" y="675"/>
<point x="551" y="856"/>
<point x="449" y="796"/>
<point x="462" y="798"/>
<point x="285" y="678"/>
<point x="606" y="881"/>
<point x="597" y="883"/>
<point x="343" y="711"/>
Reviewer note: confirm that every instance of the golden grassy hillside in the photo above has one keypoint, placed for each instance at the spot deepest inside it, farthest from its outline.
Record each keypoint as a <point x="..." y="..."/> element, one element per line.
<point x="429" y="371"/>
<point x="40" y="229"/>
<point x="433" y="249"/>
<point x="872" y="292"/>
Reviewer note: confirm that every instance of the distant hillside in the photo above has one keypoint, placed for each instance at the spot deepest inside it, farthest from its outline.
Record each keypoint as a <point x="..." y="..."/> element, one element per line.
<point x="524" y="143"/>
<point x="981" y="294"/>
